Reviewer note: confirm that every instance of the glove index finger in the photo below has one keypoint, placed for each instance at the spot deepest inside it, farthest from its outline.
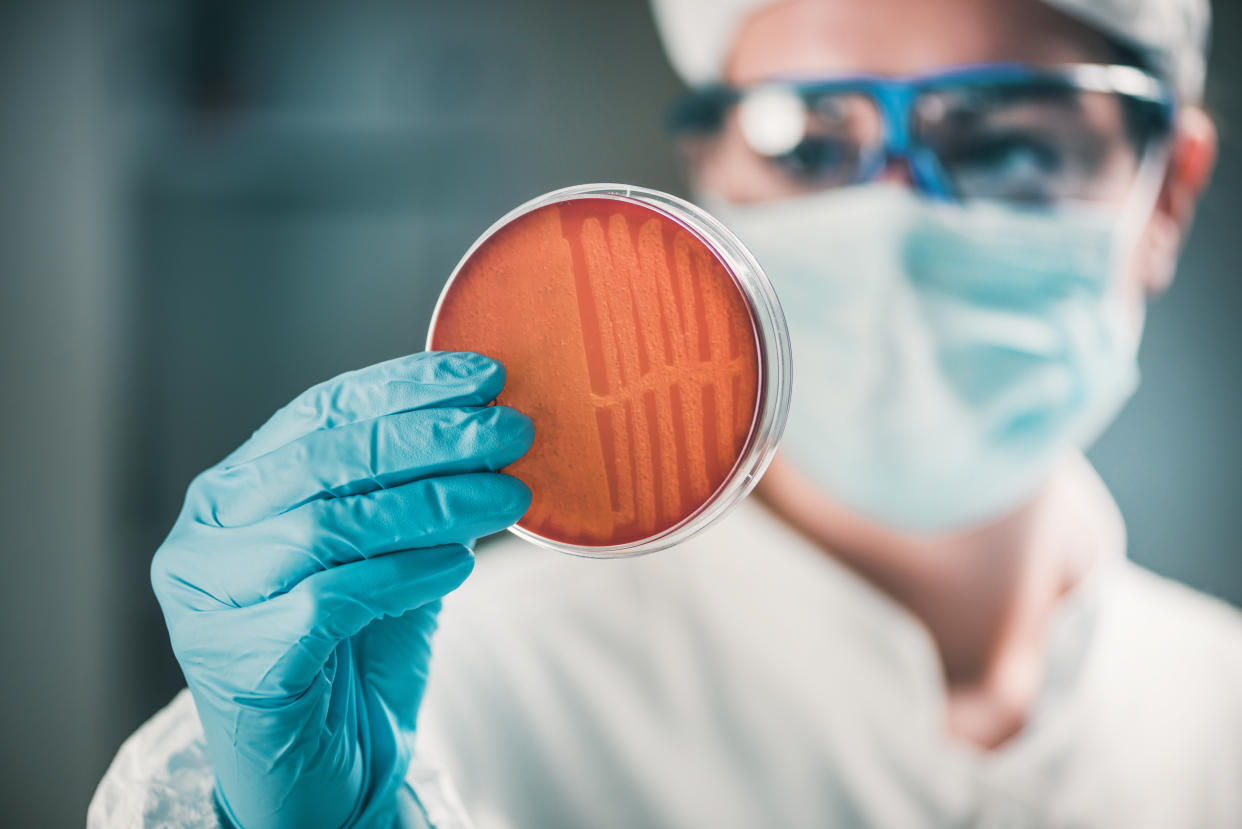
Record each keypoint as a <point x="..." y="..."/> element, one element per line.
<point x="423" y="380"/>
<point x="332" y="605"/>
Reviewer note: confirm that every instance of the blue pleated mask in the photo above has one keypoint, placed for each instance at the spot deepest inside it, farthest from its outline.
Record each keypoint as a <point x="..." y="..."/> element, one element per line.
<point x="944" y="355"/>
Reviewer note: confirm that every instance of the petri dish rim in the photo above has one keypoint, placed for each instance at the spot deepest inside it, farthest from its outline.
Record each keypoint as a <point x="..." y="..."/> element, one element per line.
<point x="774" y="357"/>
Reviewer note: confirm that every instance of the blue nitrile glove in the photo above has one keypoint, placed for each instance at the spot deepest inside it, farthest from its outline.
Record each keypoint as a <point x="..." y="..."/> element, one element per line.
<point x="302" y="579"/>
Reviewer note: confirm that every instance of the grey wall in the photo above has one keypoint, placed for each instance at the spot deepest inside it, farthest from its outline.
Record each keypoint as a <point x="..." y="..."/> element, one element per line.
<point x="1174" y="458"/>
<point x="208" y="205"/>
<point x="60" y="349"/>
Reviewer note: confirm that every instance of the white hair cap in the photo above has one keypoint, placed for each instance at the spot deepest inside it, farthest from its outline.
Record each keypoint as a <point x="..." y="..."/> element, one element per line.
<point x="1170" y="34"/>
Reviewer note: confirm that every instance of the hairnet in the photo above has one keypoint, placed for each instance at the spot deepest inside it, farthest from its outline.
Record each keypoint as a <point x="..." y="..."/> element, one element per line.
<point x="1171" y="35"/>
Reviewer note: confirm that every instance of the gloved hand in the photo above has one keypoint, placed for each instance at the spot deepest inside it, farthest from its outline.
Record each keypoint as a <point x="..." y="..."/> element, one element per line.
<point x="301" y="582"/>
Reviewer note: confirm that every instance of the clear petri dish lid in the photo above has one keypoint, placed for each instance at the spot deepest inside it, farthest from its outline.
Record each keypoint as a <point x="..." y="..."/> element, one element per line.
<point x="649" y="349"/>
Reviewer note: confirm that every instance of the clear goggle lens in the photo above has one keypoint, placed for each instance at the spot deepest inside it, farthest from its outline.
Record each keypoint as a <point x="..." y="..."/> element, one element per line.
<point x="1028" y="139"/>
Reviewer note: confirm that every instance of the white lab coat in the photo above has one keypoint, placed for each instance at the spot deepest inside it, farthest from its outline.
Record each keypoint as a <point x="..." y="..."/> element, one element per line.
<point x="745" y="679"/>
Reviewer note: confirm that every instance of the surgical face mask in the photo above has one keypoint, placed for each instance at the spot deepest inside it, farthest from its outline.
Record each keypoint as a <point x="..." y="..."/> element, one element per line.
<point x="944" y="355"/>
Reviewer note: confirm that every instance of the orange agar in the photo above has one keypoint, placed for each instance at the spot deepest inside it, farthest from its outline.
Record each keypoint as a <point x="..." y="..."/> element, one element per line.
<point x="631" y="347"/>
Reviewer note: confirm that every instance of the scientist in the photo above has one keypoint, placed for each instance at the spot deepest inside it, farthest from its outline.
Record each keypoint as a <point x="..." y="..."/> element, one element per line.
<point x="926" y="617"/>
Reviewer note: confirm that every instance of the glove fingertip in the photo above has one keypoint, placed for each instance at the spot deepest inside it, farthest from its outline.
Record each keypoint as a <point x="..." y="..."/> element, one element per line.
<point x="518" y="428"/>
<point x="454" y="564"/>
<point x="485" y="373"/>
<point x="516" y="495"/>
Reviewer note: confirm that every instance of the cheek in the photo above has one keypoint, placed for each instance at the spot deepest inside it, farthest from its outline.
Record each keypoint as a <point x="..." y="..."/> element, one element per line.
<point x="1149" y="268"/>
<point x="726" y="166"/>
<point x="1158" y="249"/>
<point x="729" y="170"/>
<point x="1140" y="275"/>
<point x="1134" y="305"/>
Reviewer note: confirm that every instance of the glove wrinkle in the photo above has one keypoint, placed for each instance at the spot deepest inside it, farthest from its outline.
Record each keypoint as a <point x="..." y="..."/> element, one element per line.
<point x="302" y="581"/>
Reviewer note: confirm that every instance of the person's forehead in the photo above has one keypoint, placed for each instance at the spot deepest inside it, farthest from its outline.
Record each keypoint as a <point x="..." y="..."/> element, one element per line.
<point x="898" y="37"/>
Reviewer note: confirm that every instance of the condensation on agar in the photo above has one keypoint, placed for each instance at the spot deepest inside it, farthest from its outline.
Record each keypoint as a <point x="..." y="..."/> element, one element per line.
<point x="631" y="347"/>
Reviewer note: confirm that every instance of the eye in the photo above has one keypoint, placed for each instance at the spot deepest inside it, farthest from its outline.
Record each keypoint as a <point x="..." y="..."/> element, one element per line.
<point x="1016" y="166"/>
<point x="1006" y="154"/>
<point x="819" y="159"/>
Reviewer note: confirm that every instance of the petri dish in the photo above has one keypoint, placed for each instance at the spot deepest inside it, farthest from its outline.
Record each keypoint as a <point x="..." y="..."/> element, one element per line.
<point x="649" y="349"/>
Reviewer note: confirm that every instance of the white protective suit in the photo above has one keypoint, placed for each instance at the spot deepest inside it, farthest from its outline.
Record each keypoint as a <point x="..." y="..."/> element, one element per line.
<point x="746" y="679"/>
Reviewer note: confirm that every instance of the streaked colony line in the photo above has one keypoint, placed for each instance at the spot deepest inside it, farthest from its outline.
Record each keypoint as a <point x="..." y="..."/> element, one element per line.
<point x="630" y="346"/>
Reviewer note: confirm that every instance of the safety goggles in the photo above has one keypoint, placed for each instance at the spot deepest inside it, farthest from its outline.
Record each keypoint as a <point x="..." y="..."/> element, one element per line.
<point x="1006" y="132"/>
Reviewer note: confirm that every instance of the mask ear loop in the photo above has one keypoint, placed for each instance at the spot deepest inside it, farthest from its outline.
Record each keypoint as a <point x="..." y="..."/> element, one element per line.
<point x="1131" y="222"/>
<point x="1139" y="203"/>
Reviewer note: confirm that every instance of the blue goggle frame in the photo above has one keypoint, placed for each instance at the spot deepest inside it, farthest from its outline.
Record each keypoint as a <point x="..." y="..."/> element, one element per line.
<point x="702" y="110"/>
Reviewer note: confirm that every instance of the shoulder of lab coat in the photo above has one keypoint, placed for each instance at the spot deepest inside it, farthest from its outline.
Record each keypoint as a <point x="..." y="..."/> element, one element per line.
<point x="552" y="668"/>
<point x="162" y="778"/>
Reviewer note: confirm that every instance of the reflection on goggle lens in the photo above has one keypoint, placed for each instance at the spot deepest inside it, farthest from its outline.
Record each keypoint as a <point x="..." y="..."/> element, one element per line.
<point x="1005" y="133"/>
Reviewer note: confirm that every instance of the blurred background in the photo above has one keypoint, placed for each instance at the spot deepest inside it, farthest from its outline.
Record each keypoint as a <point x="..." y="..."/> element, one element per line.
<point x="208" y="205"/>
